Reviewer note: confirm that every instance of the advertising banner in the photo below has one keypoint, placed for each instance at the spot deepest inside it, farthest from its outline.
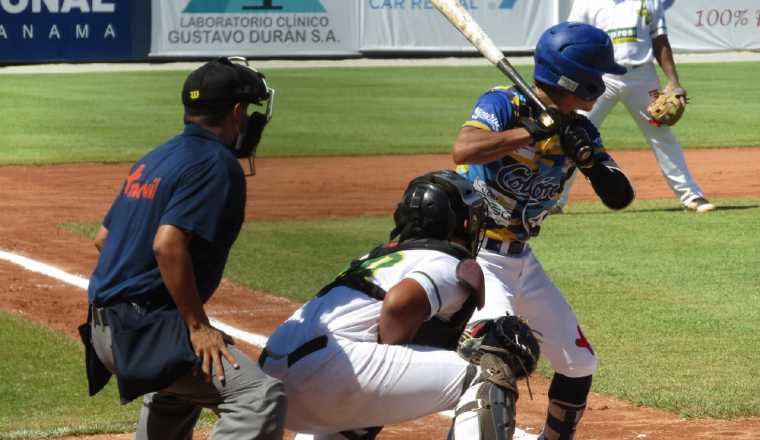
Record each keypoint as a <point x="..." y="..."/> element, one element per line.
<point x="64" y="30"/>
<point x="254" y="27"/>
<point x="707" y="25"/>
<point x="415" y="25"/>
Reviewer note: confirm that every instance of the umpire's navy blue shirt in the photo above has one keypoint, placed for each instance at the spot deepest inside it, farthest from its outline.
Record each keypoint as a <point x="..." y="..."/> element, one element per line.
<point x="193" y="182"/>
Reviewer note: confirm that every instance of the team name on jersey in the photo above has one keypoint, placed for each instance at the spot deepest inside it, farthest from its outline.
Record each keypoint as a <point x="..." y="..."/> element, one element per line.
<point x="137" y="190"/>
<point x="626" y="35"/>
<point x="491" y="119"/>
<point x="519" y="182"/>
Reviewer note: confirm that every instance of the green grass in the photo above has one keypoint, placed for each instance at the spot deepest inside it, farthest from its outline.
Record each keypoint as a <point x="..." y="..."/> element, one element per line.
<point x="668" y="298"/>
<point x="669" y="304"/>
<point x="44" y="389"/>
<point x="296" y="258"/>
<point x="328" y="111"/>
<point x="84" y="229"/>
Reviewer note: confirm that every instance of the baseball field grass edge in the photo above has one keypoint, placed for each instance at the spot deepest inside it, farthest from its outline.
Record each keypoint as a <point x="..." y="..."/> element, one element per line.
<point x="44" y="389"/>
<point x="118" y="116"/>
<point x="668" y="303"/>
<point x="668" y="299"/>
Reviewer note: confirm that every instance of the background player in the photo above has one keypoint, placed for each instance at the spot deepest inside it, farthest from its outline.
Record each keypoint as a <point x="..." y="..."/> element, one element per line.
<point x="376" y="346"/>
<point x="163" y="247"/>
<point x="639" y="35"/>
<point x="520" y="164"/>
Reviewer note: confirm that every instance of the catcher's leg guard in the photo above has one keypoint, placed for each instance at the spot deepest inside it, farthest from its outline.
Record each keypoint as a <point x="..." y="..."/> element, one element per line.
<point x="486" y="410"/>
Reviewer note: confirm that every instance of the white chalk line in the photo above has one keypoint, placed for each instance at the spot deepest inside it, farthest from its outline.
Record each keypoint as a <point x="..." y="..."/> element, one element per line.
<point x="75" y="280"/>
<point x="53" y="272"/>
<point x="251" y="338"/>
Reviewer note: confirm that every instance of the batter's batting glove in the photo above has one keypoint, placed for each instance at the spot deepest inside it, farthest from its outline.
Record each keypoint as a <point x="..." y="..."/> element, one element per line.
<point x="546" y="125"/>
<point x="575" y="142"/>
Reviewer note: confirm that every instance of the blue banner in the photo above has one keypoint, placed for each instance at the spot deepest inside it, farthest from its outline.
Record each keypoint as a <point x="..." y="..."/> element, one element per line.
<point x="65" y="30"/>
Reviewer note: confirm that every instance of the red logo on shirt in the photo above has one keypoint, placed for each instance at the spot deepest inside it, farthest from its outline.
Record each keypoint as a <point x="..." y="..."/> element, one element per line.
<point x="583" y="342"/>
<point x="137" y="190"/>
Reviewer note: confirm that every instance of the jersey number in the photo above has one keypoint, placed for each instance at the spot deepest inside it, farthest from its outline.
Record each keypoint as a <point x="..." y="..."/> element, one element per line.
<point x="382" y="262"/>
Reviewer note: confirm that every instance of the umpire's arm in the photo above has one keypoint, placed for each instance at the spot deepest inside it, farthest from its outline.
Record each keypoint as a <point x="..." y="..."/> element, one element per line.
<point x="100" y="238"/>
<point x="171" y="248"/>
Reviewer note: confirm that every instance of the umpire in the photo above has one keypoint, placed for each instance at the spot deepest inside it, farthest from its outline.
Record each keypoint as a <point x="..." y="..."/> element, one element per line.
<point x="163" y="247"/>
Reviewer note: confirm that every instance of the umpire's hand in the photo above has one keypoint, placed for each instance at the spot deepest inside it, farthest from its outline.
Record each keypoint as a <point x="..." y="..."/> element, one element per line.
<point x="210" y="345"/>
<point x="171" y="249"/>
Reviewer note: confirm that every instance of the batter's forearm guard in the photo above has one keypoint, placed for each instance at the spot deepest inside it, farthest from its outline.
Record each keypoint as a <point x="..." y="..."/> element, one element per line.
<point x="610" y="184"/>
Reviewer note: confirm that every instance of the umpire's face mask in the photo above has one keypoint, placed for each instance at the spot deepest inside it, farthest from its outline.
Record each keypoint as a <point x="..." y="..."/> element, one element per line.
<point x="249" y="137"/>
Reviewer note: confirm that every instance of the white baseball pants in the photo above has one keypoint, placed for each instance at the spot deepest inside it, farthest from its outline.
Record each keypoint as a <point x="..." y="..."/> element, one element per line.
<point x="519" y="285"/>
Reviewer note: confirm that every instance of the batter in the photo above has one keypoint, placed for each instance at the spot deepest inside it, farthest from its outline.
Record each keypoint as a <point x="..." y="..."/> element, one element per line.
<point x="521" y="163"/>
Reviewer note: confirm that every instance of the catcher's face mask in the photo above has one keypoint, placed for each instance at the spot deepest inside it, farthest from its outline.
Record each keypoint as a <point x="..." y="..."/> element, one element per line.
<point x="474" y="230"/>
<point x="260" y="104"/>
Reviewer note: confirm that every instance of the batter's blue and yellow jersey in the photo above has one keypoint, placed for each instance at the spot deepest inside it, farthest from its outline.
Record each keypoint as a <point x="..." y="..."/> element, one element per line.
<point x="525" y="184"/>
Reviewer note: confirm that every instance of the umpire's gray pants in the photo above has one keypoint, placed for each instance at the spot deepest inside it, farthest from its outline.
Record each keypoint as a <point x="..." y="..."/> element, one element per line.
<point x="250" y="405"/>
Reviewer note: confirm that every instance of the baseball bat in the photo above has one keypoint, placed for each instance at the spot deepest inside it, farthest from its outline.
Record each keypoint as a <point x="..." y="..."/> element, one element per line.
<point x="463" y="21"/>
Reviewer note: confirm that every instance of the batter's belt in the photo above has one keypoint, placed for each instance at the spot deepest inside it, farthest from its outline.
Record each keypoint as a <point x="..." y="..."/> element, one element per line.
<point x="510" y="248"/>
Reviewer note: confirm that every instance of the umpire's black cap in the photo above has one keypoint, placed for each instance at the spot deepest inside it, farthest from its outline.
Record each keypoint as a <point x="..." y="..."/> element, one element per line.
<point x="220" y="83"/>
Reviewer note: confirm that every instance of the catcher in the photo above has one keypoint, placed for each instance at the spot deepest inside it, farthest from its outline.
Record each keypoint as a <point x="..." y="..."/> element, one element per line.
<point x="377" y="345"/>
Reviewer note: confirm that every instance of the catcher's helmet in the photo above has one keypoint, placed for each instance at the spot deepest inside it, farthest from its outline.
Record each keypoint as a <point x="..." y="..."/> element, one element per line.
<point x="574" y="56"/>
<point x="441" y="205"/>
<point x="221" y="83"/>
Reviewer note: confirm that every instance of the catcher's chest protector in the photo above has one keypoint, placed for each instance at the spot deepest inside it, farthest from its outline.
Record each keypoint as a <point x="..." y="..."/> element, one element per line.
<point x="434" y="332"/>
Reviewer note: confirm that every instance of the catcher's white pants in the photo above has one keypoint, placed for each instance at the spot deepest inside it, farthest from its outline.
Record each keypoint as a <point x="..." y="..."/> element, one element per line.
<point x="351" y="385"/>
<point x="519" y="285"/>
<point x="634" y="90"/>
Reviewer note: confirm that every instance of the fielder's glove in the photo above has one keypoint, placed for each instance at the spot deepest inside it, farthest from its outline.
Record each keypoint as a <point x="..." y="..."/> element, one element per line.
<point x="668" y="107"/>
<point x="508" y="337"/>
<point x="576" y="143"/>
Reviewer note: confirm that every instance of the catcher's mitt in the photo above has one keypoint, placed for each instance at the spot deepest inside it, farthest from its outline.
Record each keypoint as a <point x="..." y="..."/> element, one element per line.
<point x="507" y="337"/>
<point x="668" y="107"/>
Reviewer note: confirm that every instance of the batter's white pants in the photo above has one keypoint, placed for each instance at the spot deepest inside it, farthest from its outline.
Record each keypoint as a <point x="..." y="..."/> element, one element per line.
<point x="519" y="285"/>
<point x="634" y="90"/>
<point x="355" y="385"/>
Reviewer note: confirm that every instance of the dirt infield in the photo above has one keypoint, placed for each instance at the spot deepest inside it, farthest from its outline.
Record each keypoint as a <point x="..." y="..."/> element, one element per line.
<point x="34" y="200"/>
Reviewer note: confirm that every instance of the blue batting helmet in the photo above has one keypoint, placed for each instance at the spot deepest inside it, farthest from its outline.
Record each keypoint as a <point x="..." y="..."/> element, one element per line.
<point x="574" y="56"/>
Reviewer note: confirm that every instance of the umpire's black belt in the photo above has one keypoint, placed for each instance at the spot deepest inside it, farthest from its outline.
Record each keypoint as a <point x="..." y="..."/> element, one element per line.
<point x="299" y="353"/>
<point x="513" y="248"/>
<point x="100" y="317"/>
